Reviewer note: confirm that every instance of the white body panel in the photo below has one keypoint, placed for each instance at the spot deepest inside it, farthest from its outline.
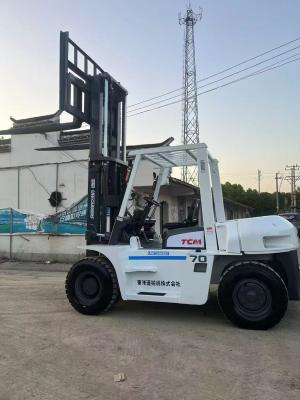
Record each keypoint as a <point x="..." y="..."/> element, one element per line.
<point x="167" y="271"/>
<point x="228" y="237"/>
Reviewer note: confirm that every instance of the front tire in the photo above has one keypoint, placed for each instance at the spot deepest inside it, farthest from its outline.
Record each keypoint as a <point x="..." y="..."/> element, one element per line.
<point x="92" y="286"/>
<point x="252" y="295"/>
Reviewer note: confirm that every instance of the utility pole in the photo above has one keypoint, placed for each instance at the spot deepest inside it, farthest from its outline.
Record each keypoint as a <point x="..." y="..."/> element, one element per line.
<point x="277" y="177"/>
<point x="293" y="178"/>
<point x="190" y="124"/>
<point x="259" y="179"/>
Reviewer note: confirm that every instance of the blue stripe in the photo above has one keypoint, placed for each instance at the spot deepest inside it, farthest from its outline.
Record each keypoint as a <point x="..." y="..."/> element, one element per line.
<point x="157" y="257"/>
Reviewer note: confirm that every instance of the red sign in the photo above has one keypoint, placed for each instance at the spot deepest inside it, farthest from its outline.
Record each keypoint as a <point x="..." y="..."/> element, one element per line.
<point x="191" y="242"/>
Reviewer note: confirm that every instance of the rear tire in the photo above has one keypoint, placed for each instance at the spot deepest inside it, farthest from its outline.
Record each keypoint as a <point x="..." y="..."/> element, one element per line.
<point x="252" y="295"/>
<point x="92" y="286"/>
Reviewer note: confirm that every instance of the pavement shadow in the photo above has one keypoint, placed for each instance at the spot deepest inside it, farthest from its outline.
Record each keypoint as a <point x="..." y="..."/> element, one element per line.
<point x="209" y="312"/>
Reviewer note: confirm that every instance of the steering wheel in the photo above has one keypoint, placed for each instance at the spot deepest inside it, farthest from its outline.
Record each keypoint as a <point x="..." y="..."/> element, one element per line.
<point x="152" y="202"/>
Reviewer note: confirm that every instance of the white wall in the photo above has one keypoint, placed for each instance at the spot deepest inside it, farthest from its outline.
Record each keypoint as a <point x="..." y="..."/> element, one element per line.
<point x="23" y="151"/>
<point x="34" y="174"/>
<point x="73" y="182"/>
<point x="9" y="188"/>
<point x="37" y="174"/>
<point x="37" y="182"/>
<point x="33" y="247"/>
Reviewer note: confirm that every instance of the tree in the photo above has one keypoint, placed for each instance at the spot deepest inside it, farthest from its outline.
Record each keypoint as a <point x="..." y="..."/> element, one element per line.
<point x="263" y="203"/>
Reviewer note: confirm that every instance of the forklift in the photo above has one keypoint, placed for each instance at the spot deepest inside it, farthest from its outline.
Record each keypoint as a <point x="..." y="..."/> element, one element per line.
<point x="253" y="260"/>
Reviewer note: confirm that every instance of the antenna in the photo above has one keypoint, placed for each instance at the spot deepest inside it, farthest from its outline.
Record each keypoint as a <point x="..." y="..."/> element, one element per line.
<point x="190" y="126"/>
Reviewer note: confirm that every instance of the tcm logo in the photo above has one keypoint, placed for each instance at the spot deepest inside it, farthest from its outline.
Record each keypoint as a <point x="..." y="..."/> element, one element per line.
<point x="191" y="242"/>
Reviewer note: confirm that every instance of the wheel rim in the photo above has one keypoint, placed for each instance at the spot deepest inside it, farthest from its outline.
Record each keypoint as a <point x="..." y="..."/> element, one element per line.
<point x="88" y="288"/>
<point x="252" y="299"/>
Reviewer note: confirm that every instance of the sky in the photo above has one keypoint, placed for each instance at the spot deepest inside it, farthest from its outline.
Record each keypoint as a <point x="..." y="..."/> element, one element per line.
<point x="249" y="125"/>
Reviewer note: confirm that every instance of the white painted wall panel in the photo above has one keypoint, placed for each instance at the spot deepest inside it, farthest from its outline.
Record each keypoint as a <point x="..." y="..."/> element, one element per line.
<point x="72" y="182"/>
<point x="36" y="185"/>
<point x="8" y="188"/>
<point x="43" y="247"/>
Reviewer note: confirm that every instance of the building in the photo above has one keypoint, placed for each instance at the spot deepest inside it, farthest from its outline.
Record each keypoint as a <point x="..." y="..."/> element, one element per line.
<point x="35" y="225"/>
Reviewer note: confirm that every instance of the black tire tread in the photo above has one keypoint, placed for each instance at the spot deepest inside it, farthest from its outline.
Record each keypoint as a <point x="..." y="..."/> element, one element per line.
<point x="260" y="264"/>
<point x="229" y="270"/>
<point x="111" y="272"/>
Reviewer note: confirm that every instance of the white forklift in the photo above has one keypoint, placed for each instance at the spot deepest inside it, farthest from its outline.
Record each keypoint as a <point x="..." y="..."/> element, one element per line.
<point x="254" y="260"/>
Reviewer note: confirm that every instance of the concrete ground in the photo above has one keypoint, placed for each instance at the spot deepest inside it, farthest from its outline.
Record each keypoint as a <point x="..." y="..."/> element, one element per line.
<point x="49" y="351"/>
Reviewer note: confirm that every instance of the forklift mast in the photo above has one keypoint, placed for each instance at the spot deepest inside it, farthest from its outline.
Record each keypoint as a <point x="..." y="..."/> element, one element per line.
<point x="102" y="104"/>
<point x="94" y="97"/>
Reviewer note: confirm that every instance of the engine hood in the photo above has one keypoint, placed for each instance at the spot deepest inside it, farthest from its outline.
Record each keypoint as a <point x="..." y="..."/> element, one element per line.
<point x="258" y="235"/>
<point x="269" y="234"/>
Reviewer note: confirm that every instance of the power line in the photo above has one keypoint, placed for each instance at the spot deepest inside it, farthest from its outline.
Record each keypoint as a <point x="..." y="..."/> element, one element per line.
<point x="225" y="77"/>
<point x="258" y="72"/>
<point x="252" y="174"/>
<point x="220" y="72"/>
<point x="37" y="181"/>
<point x="270" y="67"/>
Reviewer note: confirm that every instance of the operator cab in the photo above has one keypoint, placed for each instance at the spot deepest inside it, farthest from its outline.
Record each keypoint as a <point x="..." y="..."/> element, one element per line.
<point x="140" y="222"/>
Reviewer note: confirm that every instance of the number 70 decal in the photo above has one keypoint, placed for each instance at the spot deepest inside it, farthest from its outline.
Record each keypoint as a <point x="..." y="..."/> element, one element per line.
<point x="195" y="258"/>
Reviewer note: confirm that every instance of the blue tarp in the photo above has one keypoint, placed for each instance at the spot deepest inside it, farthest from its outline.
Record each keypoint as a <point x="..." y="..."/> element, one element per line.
<point x="69" y="221"/>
